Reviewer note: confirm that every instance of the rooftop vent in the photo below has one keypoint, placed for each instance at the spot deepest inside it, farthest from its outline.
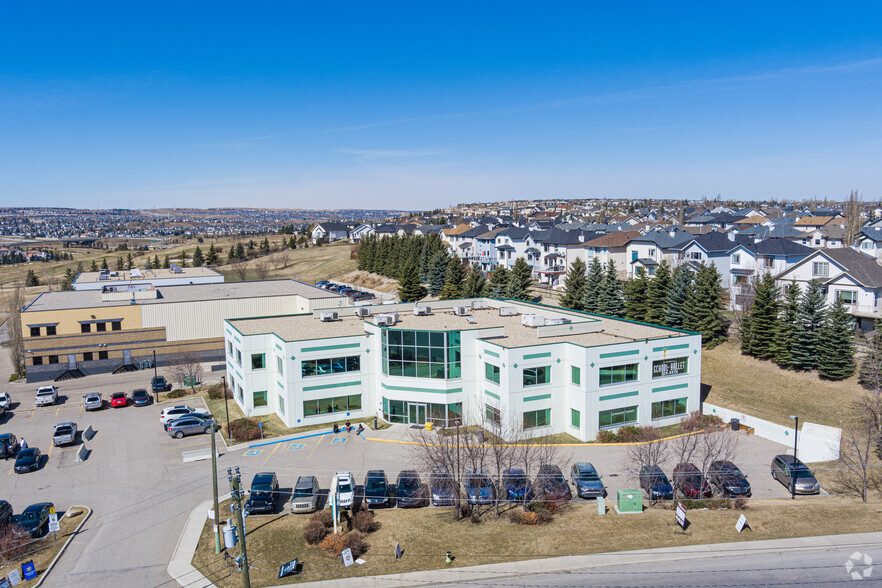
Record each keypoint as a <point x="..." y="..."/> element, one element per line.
<point x="329" y="316"/>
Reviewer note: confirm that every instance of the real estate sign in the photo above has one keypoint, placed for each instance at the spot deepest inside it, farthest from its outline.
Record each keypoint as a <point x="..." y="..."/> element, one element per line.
<point x="681" y="515"/>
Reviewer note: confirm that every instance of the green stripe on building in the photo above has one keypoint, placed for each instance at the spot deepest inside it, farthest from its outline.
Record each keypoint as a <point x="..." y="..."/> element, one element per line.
<point x="671" y="347"/>
<point x="337" y="385"/>
<point x="279" y="347"/>
<point x="540" y="397"/>
<point x="619" y="353"/>
<point x="491" y="353"/>
<point x="537" y="355"/>
<point x="430" y="390"/>
<point x="616" y="396"/>
<point x="491" y="394"/>
<point x="666" y="388"/>
<point x="331" y="347"/>
<point x="281" y="385"/>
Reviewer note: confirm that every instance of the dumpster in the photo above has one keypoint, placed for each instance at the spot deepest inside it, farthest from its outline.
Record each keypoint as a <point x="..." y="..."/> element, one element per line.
<point x="630" y="501"/>
<point x="429" y="425"/>
<point x="736" y="424"/>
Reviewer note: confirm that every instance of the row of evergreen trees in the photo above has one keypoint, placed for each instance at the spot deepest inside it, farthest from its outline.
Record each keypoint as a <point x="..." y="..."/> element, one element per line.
<point x="448" y="279"/>
<point x="680" y="299"/>
<point x="799" y="330"/>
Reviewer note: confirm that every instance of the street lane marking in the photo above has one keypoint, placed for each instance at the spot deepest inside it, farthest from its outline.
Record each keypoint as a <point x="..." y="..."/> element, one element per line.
<point x="270" y="455"/>
<point x="296" y="446"/>
<point x="314" y="448"/>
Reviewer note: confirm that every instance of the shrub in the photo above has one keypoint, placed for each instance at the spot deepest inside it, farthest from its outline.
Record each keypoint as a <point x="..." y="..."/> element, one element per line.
<point x="520" y="517"/>
<point x="179" y="393"/>
<point x="336" y="543"/>
<point x="465" y="510"/>
<point x="629" y="434"/>
<point x="323" y="517"/>
<point x="476" y="517"/>
<point x="607" y="437"/>
<point x="244" y="430"/>
<point x="697" y="422"/>
<point x="14" y="377"/>
<point x="216" y="392"/>
<point x="314" y="531"/>
<point x="364" y="521"/>
<point x="739" y="504"/>
<point x="544" y="516"/>
<point x="13" y="543"/>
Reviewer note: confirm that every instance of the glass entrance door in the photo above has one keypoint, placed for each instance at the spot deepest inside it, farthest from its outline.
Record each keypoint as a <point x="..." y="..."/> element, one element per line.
<point x="416" y="413"/>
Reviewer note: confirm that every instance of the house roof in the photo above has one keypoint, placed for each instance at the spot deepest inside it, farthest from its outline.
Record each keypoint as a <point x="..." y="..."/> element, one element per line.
<point x="813" y="221"/>
<point x="645" y="261"/>
<point x="833" y="232"/>
<point x="861" y="268"/>
<point x="781" y="246"/>
<point x="457" y="230"/>
<point x="872" y="233"/>
<point x="714" y="242"/>
<point x="751" y="220"/>
<point x="615" y="239"/>
<point x="786" y="231"/>
<point x="333" y="226"/>
<point x="666" y="237"/>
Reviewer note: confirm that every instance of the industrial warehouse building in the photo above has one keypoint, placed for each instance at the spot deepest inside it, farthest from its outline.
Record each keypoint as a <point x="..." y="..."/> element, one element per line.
<point x="509" y="365"/>
<point x="119" y="328"/>
<point x="172" y="276"/>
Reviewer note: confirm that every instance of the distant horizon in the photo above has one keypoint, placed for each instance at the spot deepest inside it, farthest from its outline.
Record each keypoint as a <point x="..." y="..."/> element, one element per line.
<point x="422" y="106"/>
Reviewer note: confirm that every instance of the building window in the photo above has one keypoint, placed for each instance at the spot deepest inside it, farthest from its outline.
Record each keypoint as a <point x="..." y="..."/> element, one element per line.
<point x="736" y="258"/>
<point x="422" y="354"/>
<point x="651" y="253"/>
<point x="239" y="393"/>
<point x="668" y="408"/>
<point x="87" y="356"/>
<point x="696" y="255"/>
<point x="116" y="326"/>
<point x="537" y="418"/>
<point x="239" y="357"/>
<point x="617" y="417"/>
<point x="817" y="241"/>
<point x="100" y="327"/>
<point x="279" y="364"/>
<point x="492" y="414"/>
<point x="85" y="328"/>
<point x="331" y="365"/>
<point x="576" y="375"/>
<point x="37" y="360"/>
<point x="820" y="269"/>
<point x="102" y="355"/>
<point x="230" y="347"/>
<point x="491" y="373"/>
<point x="847" y="296"/>
<point x="258" y="361"/>
<point x="575" y="418"/>
<point x="35" y="331"/>
<point x="281" y="404"/>
<point x="53" y="359"/>
<point x="618" y="374"/>
<point x="331" y="405"/>
<point x="670" y="367"/>
<point x="50" y="330"/>
<point x="259" y="398"/>
<point x="537" y="375"/>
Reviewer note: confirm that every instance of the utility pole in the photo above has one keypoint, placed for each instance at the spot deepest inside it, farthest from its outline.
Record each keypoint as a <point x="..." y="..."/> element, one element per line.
<point x="217" y="541"/>
<point x="235" y="488"/>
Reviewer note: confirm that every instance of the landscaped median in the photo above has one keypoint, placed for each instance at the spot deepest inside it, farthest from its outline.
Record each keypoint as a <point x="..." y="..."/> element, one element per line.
<point x="426" y="534"/>
<point x="43" y="552"/>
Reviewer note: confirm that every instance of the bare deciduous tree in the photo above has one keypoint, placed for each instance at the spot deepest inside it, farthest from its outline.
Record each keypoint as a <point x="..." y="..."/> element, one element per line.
<point x="240" y="268"/>
<point x="853" y="219"/>
<point x="279" y="260"/>
<point x="859" y="440"/>
<point x="262" y="269"/>
<point x="188" y="369"/>
<point x="15" y="303"/>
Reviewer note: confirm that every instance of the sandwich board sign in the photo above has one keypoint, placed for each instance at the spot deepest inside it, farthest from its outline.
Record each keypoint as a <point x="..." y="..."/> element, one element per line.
<point x="681" y="515"/>
<point x="28" y="570"/>
<point x="398" y="551"/>
<point x="346" y="557"/>
<point x="742" y="522"/>
<point x="288" y="568"/>
<point x="14" y="577"/>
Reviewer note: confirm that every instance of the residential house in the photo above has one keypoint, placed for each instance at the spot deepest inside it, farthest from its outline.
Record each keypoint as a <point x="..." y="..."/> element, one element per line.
<point x="648" y="250"/>
<point x="869" y="241"/>
<point x="360" y="232"/>
<point x="610" y="247"/>
<point x="330" y="231"/>
<point x="813" y="223"/>
<point x="827" y="237"/>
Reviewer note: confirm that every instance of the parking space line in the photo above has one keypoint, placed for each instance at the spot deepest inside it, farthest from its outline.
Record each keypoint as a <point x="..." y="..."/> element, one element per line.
<point x="314" y="448"/>
<point x="81" y="409"/>
<point x="176" y="447"/>
<point x="33" y="412"/>
<point x="56" y="410"/>
<point x="51" y="447"/>
<point x="270" y="455"/>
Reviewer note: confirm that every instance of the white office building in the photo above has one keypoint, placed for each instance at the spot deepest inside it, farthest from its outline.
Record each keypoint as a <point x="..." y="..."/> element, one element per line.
<point x="525" y="366"/>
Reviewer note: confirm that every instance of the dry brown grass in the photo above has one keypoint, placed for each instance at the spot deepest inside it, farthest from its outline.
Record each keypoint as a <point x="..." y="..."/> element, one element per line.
<point x="44" y="550"/>
<point x="762" y="389"/>
<point x="310" y="265"/>
<point x="426" y="534"/>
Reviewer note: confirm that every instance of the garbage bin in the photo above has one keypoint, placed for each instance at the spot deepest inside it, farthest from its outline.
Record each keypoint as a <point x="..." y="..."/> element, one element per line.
<point x="429" y="425"/>
<point x="229" y="536"/>
<point x="601" y="505"/>
<point x="736" y="424"/>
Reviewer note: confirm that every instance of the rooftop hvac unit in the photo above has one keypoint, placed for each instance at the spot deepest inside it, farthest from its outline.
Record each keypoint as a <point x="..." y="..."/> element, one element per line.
<point x="422" y="311"/>
<point x="478" y="304"/>
<point x="533" y="320"/>
<point x="508" y="311"/>
<point x="363" y="312"/>
<point x="558" y="321"/>
<point x="135" y="273"/>
<point x="328" y="316"/>
<point x="461" y="310"/>
<point x="390" y="318"/>
<point x="384" y="321"/>
<point x="178" y="270"/>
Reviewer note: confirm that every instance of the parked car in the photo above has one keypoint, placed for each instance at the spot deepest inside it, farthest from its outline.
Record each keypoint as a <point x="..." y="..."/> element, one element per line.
<point x="175" y="412"/>
<point x="689" y="481"/>
<point x="93" y="401"/>
<point x="655" y="483"/>
<point x="5" y="400"/>
<point x="189" y="425"/>
<point x="344" y="486"/>
<point x="5" y="512"/>
<point x="517" y="485"/>
<point x="28" y="460"/>
<point x="159" y="384"/>
<point x="306" y="494"/>
<point x="8" y="445"/>
<point x="411" y="491"/>
<point x="728" y="479"/>
<point x="550" y="484"/>
<point x="140" y="397"/>
<point x="264" y="489"/>
<point x="64" y="434"/>
<point x="786" y="469"/>
<point x="479" y="487"/>
<point x="376" y="489"/>
<point x="586" y="480"/>
<point x="46" y="395"/>
<point x="321" y="283"/>
<point x="119" y="400"/>
<point x="35" y="518"/>
<point x="442" y="487"/>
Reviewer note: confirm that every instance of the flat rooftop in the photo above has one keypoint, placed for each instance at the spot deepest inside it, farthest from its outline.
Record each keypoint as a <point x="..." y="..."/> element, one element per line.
<point x="67" y="300"/>
<point x="308" y="326"/>
<point x="146" y="275"/>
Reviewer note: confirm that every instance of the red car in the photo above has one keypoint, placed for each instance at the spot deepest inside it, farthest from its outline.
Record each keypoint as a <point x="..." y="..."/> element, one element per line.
<point x="118" y="399"/>
<point x="690" y="483"/>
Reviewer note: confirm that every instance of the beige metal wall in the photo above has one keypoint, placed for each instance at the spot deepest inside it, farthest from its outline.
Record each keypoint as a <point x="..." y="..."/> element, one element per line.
<point x="305" y="305"/>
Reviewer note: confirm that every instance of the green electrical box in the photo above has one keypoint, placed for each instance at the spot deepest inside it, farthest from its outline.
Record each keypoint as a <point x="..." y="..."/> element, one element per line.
<point x="191" y="380"/>
<point x="630" y="501"/>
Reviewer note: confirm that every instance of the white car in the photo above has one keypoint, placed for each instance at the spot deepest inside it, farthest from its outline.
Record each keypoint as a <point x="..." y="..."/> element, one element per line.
<point x="46" y="395"/>
<point x="344" y="486"/>
<point x="176" y="412"/>
<point x="5" y="400"/>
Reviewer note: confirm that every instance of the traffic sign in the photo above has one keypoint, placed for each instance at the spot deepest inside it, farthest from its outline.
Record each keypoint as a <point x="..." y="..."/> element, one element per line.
<point x="51" y="510"/>
<point x="53" y="522"/>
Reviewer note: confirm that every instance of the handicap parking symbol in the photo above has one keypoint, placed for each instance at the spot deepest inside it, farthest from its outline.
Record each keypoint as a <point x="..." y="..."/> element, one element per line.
<point x="296" y="446"/>
<point x="253" y="452"/>
<point x="339" y="440"/>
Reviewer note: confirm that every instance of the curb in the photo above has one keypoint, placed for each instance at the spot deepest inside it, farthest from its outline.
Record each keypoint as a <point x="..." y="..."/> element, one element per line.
<point x="180" y="567"/>
<point x="66" y="543"/>
<point x="552" y="444"/>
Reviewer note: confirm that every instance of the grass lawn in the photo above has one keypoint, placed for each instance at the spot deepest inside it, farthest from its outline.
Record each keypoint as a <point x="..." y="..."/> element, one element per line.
<point x="44" y="550"/>
<point x="762" y="389"/>
<point x="310" y="265"/>
<point x="426" y="534"/>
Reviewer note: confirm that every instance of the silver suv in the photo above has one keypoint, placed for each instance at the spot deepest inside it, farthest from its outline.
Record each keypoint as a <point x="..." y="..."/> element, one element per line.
<point x="304" y="499"/>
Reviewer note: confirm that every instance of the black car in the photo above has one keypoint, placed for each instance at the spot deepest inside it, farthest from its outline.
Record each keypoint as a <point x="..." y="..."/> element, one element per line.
<point x="411" y="491"/>
<point x="8" y="445"/>
<point x="159" y="384"/>
<point x="35" y="518"/>
<point x="728" y="479"/>
<point x="28" y="460"/>
<point x="376" y="489"/>
<point x="654" y="481"/>
<point x="264" y="489"/>
<point x="5" y="512"/>
<point x="550" y="484"/>
<point x="140" y="397"/>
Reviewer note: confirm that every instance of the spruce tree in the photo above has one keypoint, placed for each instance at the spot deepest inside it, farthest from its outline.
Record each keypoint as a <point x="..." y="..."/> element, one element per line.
<point x="292" y="244"/>
<point x="240" y="250"/>
<point x="409" y="287"/>
<point x="94" y="266"/>
<point x="592" y="286"/>
<point x="657" y="294"/>
<point x="119" y="264"/>
<point x="31" y="279"/>
<point x="675" y="301"/>
<point x="810" y="321"/>
<point x="835" y="345"/>
<point x="265" y="246"/>
<point x="574" y="285"/>
<point x="475" y="283"/>
<point x="758" y="334"/>
<point x="166" y="263"/>
<point x="498" y="284"/>
<point x="704" y="307"/>
<point x="104" y="263"/>
<point x="197" y="257"/>
<point x="211" y="258"/>
<point x="635" y="296"/>
<point x="610" y="298"/>
<point x="437" y="272"/>
<point x="156" y="264"/>
<point x="519" y="280"/>
<point x="454" y="280"/>
<point x="786" y="326"/>
<point x="870" y="376"/>
<point x="129" y="264"/>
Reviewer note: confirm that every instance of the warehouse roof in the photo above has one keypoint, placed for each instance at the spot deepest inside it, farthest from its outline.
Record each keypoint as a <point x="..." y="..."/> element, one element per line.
<point x="145" y="275"/>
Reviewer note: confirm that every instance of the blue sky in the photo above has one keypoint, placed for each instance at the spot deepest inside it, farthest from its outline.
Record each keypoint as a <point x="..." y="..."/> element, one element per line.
<point x="417" y="105"/>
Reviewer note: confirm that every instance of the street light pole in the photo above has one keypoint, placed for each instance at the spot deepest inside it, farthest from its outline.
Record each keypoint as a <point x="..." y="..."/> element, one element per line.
<point x="227" y="408"/>
<point x="217" y="543"/>
<point x="155" y="375"/>
<point x="794" y="470"/>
